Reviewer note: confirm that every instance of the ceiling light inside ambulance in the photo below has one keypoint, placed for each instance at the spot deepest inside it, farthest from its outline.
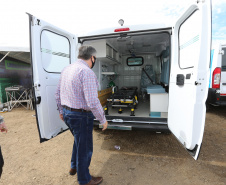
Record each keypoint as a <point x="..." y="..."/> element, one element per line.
<point x="121" y="29"/>
<point x="121" y="22"/>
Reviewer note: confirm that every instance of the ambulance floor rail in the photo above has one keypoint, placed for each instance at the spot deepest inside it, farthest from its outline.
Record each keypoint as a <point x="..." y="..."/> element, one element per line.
<point x="17" y="95"/>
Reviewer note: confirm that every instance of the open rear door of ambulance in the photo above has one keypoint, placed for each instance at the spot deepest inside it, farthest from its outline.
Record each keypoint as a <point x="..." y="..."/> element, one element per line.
<point x="191" y="48"/>
<point x="51" y="50"/>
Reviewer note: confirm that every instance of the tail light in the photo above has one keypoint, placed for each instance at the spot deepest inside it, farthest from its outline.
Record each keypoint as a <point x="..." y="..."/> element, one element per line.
<point x="216" y="78"/>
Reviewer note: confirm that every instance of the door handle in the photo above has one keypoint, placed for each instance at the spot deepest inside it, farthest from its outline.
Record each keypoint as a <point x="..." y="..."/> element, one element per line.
<point x="197" y="83"/>
<point x="223" y="83"/>
<point x="180" y="79"/>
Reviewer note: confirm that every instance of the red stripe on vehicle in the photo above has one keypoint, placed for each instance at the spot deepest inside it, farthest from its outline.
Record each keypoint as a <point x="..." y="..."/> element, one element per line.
<point x="223" y="94"/>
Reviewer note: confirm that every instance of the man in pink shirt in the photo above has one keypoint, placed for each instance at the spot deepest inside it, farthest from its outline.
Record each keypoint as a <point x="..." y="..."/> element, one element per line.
<point x="78" y="104"/>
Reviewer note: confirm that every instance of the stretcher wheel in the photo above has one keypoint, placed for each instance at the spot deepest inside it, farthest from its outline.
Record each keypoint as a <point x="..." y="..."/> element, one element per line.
<point x="106" y="111"/>
<point x="132" y="112"/>
<point x="120" y="111"/>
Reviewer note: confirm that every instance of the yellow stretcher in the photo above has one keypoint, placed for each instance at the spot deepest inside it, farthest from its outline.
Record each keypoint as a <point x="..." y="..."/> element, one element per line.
<point x="125" y="97"/>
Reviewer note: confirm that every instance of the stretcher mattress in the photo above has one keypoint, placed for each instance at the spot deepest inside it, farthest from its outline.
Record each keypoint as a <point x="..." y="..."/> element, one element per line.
<point x="155" y="89"/>
<point x="125" y="93"/>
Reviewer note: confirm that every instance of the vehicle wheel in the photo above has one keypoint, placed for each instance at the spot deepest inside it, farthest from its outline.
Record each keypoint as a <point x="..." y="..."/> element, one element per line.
<point x="208" y="107"/>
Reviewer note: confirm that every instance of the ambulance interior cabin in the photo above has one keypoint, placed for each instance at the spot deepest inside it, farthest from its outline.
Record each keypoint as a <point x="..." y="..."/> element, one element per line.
<point x="133" y="73"/>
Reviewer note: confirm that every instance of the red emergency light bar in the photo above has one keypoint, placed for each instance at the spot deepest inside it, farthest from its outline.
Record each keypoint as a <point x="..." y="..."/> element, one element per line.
<point x="121" y="29"/>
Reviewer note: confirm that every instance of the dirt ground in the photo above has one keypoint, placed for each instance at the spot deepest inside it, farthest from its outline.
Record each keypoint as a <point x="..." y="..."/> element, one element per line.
<point x="144" y="157"/>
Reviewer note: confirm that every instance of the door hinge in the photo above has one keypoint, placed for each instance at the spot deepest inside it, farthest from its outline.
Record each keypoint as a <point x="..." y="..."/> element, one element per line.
<point x="32" y="20"/>
<point x="38" y="22"/>
<point x="221" y="52"/>
<point x="38" y="100"/>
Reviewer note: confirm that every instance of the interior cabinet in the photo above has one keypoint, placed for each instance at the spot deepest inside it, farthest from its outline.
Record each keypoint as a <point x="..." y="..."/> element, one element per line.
<point x="105" y="52"/>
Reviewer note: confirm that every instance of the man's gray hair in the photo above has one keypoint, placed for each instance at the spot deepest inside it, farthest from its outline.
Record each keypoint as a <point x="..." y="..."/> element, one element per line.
<point x="86" y="52"/>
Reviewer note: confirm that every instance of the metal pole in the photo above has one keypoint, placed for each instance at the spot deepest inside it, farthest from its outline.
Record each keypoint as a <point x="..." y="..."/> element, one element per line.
<point x="4" y="57"/>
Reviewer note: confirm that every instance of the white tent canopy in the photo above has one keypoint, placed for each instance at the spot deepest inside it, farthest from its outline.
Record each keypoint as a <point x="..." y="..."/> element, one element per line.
<point x="14" y="32"/>
<point x="14" y="37"/>
<point x="14" y="49"/>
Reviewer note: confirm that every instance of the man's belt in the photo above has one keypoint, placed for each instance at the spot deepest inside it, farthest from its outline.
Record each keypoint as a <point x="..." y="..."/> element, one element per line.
<point x="76" y="110"/>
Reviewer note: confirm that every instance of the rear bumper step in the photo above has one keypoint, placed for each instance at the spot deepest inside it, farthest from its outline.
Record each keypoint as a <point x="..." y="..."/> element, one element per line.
<point x="135" y="123"/>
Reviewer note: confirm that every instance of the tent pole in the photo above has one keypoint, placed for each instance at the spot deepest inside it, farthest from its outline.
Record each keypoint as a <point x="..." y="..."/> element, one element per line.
<point x="4" y="56"/>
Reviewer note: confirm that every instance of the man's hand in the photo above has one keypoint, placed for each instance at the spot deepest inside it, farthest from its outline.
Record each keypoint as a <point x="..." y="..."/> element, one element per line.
<point x="105" y="125"/>
<point x="3" y="128"/>
<point x="61" y="117"/>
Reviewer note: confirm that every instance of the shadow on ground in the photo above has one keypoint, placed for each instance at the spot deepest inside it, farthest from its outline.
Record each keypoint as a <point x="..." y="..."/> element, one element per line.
<point x="133" y="170"/>
<point x="153" y="144"/>
<point x="149" y="158"/>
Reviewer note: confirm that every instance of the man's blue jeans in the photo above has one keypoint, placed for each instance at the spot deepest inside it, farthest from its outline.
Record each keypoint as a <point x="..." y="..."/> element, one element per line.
<point x="81" y="127"/>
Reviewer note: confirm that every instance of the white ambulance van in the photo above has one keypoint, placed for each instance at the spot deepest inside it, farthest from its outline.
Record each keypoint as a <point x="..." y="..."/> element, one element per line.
<point x="174" y="59"/>
<point x="217" y="83"/>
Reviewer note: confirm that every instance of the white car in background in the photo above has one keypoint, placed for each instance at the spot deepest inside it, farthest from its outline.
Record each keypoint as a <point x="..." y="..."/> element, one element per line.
<point x="217" y="84"/>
